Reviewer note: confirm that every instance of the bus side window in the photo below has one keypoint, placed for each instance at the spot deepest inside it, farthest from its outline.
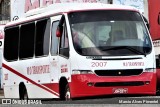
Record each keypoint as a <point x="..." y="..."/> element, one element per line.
<point x="27" y="32"/>
<point x="64" y="44"/>
<point x="42" y="37"/>
<point x="54" y="39"/>
<point x="11" y="43"/>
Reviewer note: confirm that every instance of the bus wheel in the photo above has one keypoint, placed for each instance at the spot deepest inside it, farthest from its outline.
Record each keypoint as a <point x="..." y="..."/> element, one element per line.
<point x="67" y="93"/>
<point x="23" y="94"/>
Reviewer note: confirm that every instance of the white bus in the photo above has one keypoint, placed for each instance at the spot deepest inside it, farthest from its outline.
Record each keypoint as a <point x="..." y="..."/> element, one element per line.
<point x="77" y="50"/>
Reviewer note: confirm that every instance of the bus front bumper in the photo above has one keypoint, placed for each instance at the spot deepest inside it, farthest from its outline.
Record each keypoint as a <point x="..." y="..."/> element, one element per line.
<point x="85" y="85"/>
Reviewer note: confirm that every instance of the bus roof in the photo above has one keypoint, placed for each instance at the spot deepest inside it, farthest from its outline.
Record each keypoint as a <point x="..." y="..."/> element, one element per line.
<point x="67" y="7"/>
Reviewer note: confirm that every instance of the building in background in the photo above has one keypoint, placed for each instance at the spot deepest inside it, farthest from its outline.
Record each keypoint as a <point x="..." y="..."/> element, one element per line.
<point x="4" y="11"/>
<point x="139" y="4"/>
<point x="26" y="5"/>
<point x="9" y="10"/>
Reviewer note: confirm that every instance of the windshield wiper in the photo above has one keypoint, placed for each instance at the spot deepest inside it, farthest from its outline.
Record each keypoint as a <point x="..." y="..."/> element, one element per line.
<point x="135" y="50"/>
<point x="126" y="47"/>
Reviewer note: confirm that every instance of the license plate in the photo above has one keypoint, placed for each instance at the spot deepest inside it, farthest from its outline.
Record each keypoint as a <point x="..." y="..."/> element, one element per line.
<point x="120" y="90"/>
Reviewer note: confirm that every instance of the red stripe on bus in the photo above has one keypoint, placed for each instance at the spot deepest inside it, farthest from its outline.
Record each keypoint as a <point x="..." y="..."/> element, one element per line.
<point x="26" y="78"/>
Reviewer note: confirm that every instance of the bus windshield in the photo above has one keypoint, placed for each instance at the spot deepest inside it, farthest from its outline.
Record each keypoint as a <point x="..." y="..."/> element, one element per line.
<point x="109" y="33"/>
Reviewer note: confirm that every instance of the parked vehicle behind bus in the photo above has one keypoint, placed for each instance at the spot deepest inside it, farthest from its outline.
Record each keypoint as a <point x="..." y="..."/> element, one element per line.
<point x="78" y="50"/>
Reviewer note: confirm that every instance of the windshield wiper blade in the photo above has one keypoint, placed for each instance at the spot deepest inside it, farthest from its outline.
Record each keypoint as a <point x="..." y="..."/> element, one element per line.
<point x="125" y="47"/>
<point x="135" y="50"/>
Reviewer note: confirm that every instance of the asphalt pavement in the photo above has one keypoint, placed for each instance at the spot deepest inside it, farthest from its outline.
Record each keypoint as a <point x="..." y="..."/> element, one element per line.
<point x="106" y="101"/>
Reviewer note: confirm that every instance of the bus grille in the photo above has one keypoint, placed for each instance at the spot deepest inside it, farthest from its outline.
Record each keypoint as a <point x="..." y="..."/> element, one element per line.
<point x="110" y="84"/>
<point x="124" y="72"/>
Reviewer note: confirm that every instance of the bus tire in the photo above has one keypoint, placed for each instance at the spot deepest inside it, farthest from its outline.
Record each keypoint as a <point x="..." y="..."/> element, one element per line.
<point x="67" y="93"/>
<point x="23" y="93"/>
<point x="62" y="88"/>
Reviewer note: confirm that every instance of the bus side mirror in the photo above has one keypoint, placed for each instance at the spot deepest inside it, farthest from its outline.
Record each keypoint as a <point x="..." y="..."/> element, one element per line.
<point x="59" y="31"/>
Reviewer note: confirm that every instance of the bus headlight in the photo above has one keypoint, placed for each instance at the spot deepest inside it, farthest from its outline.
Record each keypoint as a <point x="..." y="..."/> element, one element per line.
<point x="150" y="70"/>
<point x="82" y="72"/>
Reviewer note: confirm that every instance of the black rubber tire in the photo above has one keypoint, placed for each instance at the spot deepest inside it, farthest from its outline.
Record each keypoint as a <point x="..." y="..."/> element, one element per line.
<point x="23" y="94"/>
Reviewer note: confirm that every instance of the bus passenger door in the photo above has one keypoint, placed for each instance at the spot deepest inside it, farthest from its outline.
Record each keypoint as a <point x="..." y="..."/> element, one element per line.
<point x="64" y="59"/>
<point x="59" y="58"/>
<point x="54" y="57"/>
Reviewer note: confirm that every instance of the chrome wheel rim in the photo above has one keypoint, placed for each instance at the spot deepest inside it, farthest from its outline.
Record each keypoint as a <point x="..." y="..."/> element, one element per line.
<point x="68" y="95"/>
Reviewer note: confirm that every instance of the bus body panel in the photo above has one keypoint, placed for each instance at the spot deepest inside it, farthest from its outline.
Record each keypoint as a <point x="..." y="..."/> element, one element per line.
<point x="32" y="73"/>
<point x="102" y="85"/>
<point x="80" y="84"/>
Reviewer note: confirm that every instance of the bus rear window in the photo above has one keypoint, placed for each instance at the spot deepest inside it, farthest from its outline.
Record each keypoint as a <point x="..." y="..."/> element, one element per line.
<point x="11" y="43"/>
